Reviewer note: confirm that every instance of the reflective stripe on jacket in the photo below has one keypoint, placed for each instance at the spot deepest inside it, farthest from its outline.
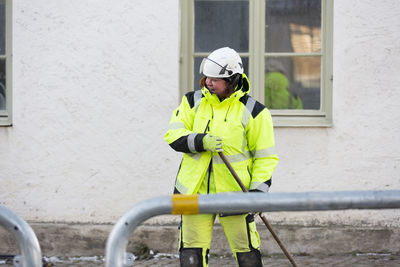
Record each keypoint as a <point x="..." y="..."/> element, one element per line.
<point x="245" y="126"/>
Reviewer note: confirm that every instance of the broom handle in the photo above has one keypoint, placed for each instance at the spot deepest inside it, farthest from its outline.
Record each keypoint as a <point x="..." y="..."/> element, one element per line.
<point x="267" y="224"/>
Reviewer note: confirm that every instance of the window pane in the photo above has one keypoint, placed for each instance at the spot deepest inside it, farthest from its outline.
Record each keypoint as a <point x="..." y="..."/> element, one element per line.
<point x="197" y="75"/>
<point x="293" y="26"/>
<point x="221" y="23"/>
<point x="293" y="82"/>
<point x="2" y="84"/>
<point x="2" y="27"/>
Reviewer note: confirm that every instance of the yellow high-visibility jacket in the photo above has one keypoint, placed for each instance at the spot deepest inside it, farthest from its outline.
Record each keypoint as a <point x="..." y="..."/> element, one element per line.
<point x="245" y="126"/>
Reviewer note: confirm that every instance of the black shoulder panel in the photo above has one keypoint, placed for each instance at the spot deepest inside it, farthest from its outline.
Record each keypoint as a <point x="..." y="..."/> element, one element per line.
<point x="244" y="98"/>
<point x="256" y="108"/>
<point x="190" y="98"/>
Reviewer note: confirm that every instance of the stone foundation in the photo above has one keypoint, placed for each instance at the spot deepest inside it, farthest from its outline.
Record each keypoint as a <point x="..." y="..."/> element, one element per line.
<point x="59" y="239"/>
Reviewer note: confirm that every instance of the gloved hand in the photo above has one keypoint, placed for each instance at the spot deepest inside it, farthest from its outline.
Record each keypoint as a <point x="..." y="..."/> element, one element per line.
<point x="212" y="143"/>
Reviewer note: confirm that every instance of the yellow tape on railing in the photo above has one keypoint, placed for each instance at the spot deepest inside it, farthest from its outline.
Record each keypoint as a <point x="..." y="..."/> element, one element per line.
<point x="185" y="204"/>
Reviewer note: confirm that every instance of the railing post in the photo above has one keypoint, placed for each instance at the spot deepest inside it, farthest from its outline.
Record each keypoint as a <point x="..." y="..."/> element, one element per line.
<point x="117" y="241"/>
<point x="115" y="254"/>
<point x="31" y="255"/>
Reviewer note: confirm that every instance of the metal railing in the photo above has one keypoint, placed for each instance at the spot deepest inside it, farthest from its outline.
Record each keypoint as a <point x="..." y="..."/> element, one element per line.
<point x="31" y="255"/>
<point x="116" y="255"/>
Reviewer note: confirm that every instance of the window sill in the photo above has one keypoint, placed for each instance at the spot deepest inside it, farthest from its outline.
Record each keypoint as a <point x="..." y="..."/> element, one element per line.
<point x="300" y="121"/>
<point x="5" y="120"/>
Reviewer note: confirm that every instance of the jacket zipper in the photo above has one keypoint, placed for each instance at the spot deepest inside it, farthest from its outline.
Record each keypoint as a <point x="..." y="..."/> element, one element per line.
<point x="226" y="114"/>
<point x="209" y="176"/>
<point x="210" y="165"/>
<point x="207" y="126"/>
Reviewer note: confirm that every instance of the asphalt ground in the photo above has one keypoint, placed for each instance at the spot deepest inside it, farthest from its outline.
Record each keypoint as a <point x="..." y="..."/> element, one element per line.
<point x="168" y="260"/>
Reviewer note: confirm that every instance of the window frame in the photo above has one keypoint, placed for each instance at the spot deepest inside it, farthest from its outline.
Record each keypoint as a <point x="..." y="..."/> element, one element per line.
<point x="257" y="55"/>
<point x="6" y="115"/>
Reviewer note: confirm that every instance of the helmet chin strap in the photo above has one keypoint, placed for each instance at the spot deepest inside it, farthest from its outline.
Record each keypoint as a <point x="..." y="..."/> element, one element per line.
<point x="234" y="81"/>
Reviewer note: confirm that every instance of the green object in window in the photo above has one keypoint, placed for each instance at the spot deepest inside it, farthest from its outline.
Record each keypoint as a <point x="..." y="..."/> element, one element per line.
<point x="277" y="95"/>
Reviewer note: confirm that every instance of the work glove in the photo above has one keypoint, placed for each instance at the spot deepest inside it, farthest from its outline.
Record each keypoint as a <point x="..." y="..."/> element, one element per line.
<point x="212" y="143"/>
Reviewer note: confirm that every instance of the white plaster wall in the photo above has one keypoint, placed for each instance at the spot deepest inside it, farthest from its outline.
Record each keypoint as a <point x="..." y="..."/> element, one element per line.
<point x="95" y="83"/>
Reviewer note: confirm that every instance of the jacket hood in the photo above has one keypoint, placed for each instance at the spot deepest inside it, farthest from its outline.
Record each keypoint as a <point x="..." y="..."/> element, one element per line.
<point x="244" y="84"/>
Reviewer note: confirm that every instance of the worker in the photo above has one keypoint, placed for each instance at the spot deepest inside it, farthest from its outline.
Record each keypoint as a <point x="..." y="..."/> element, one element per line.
<point x="222" y="116"/>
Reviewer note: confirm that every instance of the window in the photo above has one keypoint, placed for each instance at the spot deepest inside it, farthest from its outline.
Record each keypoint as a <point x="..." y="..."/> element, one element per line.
<point x="285" y="45"/>
<point x="5" y="62"/>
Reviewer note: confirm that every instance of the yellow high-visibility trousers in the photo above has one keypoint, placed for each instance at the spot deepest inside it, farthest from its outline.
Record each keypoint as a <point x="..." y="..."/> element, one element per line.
<point x="196" y="230"/>
<point x="240" y="231"/>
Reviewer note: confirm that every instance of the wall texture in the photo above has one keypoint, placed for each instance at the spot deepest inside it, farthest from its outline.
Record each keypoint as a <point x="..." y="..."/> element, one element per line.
<point x="94" y="86"/>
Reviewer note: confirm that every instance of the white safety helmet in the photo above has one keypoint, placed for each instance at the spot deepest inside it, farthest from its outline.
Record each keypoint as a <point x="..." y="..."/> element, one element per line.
<point x="222" y="63"/>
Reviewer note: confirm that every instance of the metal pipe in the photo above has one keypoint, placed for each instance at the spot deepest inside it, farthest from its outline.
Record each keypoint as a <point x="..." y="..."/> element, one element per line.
<point x="31" y="255"/>
<point x="307" y="201"/>
<point x="239" y="202"/>
<point x="118" y="239"/>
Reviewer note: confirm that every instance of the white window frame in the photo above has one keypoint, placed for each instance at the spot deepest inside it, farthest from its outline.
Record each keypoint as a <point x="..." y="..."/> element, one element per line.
<point x="6" y="115"/>
<point x="256" y="54"/>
